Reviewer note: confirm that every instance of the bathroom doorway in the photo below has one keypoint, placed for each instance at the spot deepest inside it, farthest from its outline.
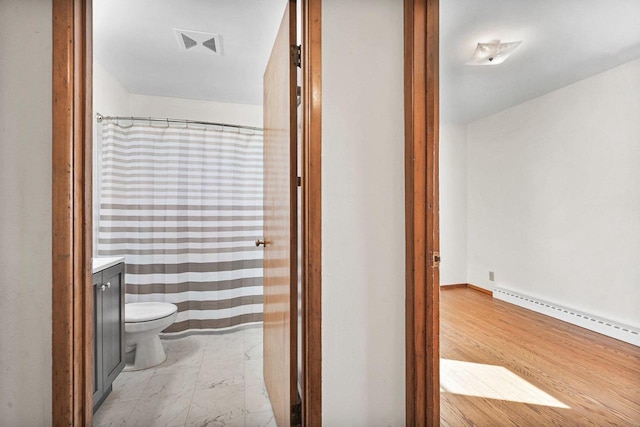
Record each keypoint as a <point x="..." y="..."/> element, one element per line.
<point x="180" y="161"/>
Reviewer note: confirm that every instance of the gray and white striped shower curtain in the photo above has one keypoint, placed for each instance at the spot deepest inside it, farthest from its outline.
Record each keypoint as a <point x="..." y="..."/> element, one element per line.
<point x="183" y="205"/>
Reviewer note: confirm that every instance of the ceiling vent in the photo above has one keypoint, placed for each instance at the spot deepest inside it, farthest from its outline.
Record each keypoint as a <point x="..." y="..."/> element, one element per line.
<point x="211" y="44"/>
<point x="187" y="42"/>
<point x="197" y="40"/>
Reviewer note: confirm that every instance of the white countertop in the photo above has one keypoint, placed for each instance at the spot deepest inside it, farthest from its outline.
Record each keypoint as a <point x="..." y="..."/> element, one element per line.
<point x="99" y="264"/>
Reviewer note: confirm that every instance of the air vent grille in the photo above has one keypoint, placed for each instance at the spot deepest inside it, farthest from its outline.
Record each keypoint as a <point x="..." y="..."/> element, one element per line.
<point x="188" y="41"/>
<point x="211" y="45"/>
<point x="199" y="41"/>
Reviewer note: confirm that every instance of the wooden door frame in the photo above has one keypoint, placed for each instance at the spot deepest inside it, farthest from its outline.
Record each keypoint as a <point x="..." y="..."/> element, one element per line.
<point x="312" y="212"/>
<point x="72" y="299"/>
<point x="72" y="213"/>
<point x="421" y="55"/>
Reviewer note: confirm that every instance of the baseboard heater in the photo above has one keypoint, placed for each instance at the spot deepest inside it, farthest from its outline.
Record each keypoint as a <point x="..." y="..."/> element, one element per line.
<point x="597" y="324"/>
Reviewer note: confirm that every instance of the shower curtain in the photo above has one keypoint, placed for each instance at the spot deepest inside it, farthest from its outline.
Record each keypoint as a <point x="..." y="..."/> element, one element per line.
<point x="183" y="205"/>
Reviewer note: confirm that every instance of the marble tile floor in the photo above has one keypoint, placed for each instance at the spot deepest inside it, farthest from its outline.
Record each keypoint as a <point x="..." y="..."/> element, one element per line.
<point x="207" y="380"/>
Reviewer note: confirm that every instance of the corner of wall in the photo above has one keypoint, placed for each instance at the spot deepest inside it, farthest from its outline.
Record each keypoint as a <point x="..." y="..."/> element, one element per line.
<point x="110" y="97"/>
<point x="465" y="222"/>
<point x="453" y="203"/>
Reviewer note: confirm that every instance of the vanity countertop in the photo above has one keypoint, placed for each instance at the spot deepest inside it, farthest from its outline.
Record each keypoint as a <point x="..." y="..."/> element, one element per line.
<point x="99" y="264"/>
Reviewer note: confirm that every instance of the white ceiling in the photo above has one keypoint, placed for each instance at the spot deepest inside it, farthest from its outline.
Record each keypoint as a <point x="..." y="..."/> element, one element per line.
<point x="564" y="41"/>
<point x="135" y="41"/>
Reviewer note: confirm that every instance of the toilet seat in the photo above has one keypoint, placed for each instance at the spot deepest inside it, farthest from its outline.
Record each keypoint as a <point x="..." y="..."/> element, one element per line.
<point x="137" y="312"/>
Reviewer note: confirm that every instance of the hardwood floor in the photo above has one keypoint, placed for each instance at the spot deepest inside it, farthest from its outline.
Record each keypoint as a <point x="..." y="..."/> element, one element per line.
<point x="503" y="365"/>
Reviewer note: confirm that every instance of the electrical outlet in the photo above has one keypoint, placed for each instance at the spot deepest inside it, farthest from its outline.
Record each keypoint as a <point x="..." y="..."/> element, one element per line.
<point x="492" y="276"/>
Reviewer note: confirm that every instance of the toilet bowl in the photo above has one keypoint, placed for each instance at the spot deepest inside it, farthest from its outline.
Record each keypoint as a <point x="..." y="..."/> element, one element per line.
<point x="143" y="323"/>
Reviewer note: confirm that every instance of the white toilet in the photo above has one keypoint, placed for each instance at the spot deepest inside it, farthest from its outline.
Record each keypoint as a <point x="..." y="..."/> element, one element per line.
<point x="143" y="323"/>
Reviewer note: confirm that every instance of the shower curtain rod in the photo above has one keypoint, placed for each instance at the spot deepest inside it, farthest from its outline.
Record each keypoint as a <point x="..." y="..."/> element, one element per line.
<point x="100" y="118"/>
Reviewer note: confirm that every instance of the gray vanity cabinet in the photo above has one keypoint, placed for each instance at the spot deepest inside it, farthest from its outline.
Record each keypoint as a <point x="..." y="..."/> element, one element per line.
<point x="109" y="345"/>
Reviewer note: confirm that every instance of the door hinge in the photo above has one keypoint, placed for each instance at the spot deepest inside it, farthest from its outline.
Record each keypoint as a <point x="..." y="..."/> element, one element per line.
<point x="299" y="181"/>
<point x="296" y="56"/>
<point x="435" y="260"/>
<point x="296" y="414"/>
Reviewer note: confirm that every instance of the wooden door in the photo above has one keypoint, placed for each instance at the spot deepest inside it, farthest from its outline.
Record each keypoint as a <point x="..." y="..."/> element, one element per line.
<point x="280" y="222"/>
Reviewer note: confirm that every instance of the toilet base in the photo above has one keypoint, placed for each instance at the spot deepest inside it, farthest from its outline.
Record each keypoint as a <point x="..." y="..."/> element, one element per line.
<point x="148" y="353"/>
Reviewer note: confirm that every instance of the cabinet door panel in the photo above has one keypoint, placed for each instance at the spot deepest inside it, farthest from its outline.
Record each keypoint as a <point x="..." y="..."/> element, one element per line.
<point x="112" y="323"/>
<point x="97" y="339"/>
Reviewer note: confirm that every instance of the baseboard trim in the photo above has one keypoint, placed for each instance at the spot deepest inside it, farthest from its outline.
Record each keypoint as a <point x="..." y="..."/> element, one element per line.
<point x="479" y="289"/>
<point x="585" y="320"/>
<point x="453" y="286"/>
<point x="466" y="285"/>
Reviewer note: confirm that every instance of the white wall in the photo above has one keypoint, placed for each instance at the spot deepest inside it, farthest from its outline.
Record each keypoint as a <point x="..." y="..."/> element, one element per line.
<point x="554" y="196"/>
<point x="25" y="213"/>
<point x="363" y="263"/>
<point x="110" y="98"/>
<point x="180" y="108"/>
<point x="453" y="203"/>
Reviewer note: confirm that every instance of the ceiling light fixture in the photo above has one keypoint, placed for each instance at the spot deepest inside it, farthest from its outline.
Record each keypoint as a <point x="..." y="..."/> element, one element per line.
<point x="492" y="53"/>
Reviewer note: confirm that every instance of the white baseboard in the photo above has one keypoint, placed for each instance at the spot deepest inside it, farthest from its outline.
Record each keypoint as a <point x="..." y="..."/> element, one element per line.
<point x="597" y="324"/>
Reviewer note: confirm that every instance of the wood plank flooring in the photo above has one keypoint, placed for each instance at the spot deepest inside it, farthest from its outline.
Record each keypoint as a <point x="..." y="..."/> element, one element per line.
<point x="503" y="365"/>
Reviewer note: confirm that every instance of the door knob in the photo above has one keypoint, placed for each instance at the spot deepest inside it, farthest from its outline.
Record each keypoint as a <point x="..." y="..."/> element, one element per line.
<point x="261" y="242"/>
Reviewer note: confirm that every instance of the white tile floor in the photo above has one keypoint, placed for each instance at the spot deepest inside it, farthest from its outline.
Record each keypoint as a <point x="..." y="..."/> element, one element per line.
<point x="207" y="380"/>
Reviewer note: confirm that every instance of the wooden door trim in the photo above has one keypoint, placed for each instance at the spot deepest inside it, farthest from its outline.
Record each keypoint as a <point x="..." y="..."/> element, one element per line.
<point x="421" y="212"/>
<point x="72" y="326"/>
<point x="72" y="303"/>
<point x="312" y="212"/>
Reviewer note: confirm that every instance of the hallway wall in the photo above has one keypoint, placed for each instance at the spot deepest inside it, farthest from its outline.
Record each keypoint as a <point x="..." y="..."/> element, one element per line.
<point x="363" y="261"/>
<point x="25" y="213"/>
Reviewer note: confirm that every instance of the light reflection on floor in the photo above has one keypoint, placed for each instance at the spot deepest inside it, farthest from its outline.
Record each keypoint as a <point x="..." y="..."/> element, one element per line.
<point x="491" y="382"/>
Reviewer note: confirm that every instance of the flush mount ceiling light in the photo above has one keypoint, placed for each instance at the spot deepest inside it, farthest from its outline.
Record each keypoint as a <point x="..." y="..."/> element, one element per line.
<point x="197" y="40"/>
<point x="492" y="53"/>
